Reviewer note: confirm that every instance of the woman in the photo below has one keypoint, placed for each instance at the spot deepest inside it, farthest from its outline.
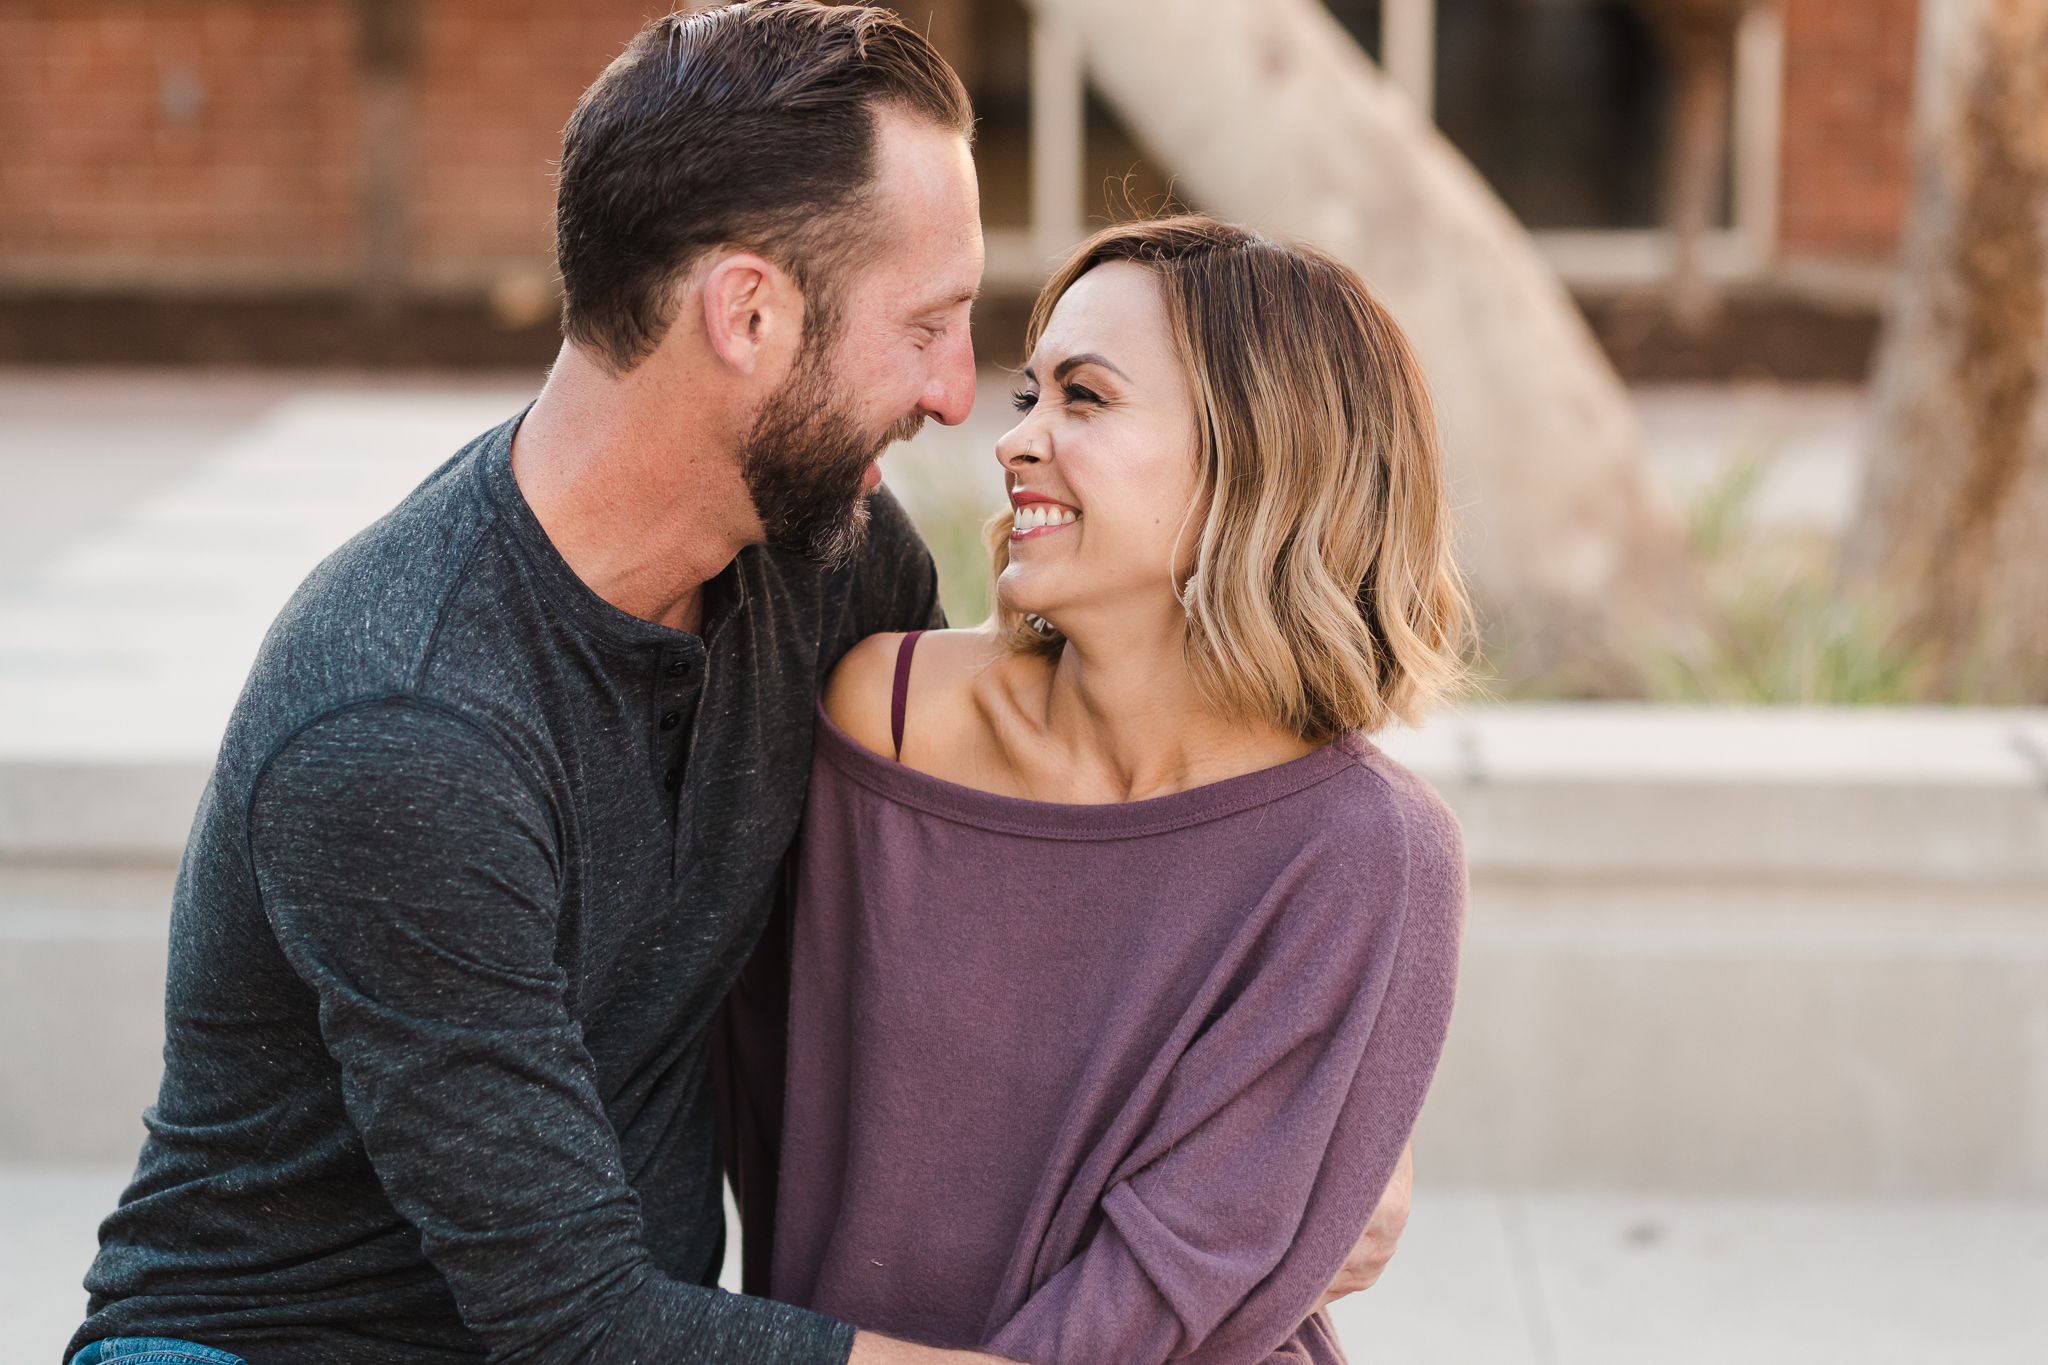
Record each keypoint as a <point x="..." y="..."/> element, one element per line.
<point x="1121" y="960"/>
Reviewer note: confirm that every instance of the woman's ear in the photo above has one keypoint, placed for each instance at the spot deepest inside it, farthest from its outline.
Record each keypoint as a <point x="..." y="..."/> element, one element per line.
<point x="753" y="313"/>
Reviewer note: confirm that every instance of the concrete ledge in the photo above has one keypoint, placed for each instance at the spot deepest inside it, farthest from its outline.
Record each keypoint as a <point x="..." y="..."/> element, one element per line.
<point x="1840" y="1053"/>
<point x="1575" y="790"/>
<point x="1750" y="951"/>
<point x="1987" y="833"/>
<point x="1571" y="790"/>
<point x="98" y="812"/>
<point x="81" y="1008"/>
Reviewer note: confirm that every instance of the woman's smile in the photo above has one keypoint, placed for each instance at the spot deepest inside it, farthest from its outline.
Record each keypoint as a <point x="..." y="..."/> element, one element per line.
<point x="1038" y="516"/>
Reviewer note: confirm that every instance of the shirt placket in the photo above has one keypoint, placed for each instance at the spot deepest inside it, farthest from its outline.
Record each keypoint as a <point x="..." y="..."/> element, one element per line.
<point x="679" y="684"/>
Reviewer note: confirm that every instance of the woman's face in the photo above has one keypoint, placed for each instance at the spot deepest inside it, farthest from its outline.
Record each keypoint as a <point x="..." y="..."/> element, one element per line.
<point x="1101" y="469"/>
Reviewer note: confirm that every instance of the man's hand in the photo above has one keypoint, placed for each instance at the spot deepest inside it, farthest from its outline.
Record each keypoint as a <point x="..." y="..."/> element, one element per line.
<point x="871" y="1348"/>
<point x="1376" y="1247"/>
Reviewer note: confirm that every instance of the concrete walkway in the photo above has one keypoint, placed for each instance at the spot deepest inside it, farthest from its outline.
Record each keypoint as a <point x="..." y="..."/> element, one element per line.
<point x="1482" y="1278"/>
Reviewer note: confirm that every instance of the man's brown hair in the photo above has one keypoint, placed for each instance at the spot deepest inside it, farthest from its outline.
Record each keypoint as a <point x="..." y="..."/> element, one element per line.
<point x="750" y="126"/>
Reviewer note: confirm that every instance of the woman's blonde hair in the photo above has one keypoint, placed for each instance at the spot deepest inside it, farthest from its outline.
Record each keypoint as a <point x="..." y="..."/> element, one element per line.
<point x="1324" y="595"/>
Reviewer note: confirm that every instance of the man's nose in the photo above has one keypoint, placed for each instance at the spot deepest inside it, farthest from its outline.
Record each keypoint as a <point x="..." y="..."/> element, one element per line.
<point x="949" y="389"/>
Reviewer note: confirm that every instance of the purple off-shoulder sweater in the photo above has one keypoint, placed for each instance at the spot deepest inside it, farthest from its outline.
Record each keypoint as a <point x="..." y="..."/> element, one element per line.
<point x="1107" y="1085"/>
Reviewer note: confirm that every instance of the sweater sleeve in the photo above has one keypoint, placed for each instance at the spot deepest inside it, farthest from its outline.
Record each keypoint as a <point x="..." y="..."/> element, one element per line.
<point x="409" y="872"/>
<point x="1278" y="1125"/>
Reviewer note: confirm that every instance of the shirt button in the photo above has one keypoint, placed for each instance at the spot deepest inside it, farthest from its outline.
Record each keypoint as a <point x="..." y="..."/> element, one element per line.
<point x="678" y="668"/>
<point x="671" y="779"/>
<point x="671" y="720"/>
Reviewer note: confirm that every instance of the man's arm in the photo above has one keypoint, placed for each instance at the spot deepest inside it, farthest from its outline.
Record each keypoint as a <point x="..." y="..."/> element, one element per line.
<point x="410" y="875"/>
<point x="872" y="1348"/>
<point x="1369" y="1258"/>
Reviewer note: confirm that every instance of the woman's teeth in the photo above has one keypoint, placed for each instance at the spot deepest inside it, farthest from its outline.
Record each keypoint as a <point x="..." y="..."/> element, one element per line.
<point x="1033" y="515"/>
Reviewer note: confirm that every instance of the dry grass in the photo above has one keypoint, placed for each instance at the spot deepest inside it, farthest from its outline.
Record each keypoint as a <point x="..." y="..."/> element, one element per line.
<point x="1777" y="629"/>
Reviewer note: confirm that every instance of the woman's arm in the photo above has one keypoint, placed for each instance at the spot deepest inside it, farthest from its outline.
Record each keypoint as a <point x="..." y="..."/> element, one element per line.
<point x="857" y="693"/>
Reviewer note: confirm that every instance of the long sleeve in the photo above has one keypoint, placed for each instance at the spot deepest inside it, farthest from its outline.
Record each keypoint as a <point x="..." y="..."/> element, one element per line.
<point x="410" y="875"/>
<point x="1275" y="1127"/>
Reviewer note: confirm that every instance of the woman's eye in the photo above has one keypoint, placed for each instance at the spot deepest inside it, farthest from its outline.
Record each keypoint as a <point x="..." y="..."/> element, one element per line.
<point x="1023" y="400"/>
<point x="1077" y="394"/>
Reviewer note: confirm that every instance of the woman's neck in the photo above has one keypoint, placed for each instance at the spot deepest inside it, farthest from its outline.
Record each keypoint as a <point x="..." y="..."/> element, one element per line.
<point x="1117" y="717"/>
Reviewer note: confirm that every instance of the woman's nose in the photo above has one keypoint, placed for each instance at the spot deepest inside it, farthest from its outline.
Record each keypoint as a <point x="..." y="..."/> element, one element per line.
<point x="1019" y="447"/>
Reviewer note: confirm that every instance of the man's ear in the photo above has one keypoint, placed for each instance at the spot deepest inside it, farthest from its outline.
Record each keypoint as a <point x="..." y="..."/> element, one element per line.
<point x="753" y="314"/>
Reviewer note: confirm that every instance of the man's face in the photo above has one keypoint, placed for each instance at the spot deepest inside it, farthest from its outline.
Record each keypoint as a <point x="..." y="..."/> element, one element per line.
<point x="899" y="351"/>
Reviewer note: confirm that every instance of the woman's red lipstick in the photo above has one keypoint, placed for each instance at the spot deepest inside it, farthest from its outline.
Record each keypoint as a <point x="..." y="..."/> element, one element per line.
<point x="1035" y="514"/>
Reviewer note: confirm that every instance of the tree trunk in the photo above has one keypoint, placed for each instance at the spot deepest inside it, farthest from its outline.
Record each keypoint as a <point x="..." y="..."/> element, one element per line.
<point x="1269" y="114"/>
<point x="1951" y="541"/>
<point x="387" y="58"/>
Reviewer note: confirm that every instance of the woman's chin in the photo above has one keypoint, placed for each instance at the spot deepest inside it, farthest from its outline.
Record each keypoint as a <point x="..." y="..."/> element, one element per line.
<point x="1026" y="604"/>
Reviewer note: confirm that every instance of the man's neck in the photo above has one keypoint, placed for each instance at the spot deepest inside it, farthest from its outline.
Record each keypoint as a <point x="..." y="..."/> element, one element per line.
<point x="636" y="481"/>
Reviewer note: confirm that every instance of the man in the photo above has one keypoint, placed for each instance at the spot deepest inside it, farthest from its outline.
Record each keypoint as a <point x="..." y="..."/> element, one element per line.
<point x="498" y="817"/>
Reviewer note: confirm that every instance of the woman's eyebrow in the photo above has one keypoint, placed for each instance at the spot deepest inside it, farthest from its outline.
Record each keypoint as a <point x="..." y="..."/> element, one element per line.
<point x="1075" y="362"/>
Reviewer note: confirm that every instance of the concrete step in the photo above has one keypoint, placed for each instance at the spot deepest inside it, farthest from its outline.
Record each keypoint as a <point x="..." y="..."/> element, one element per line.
<point x="1857" y="793"/>
<point x="82" y="956"/>
<point x="1733" y="976"/>
<point x="1786" y="950"/>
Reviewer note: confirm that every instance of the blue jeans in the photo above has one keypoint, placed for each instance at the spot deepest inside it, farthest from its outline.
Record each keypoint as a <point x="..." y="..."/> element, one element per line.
<point x="151" y="1351"/>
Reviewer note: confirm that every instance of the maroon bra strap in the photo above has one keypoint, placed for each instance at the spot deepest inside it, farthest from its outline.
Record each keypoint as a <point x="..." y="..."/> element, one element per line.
<point x="901" y="695"/>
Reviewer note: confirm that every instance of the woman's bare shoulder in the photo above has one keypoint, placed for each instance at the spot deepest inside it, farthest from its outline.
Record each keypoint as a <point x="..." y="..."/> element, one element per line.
<point x="943" y="668"/>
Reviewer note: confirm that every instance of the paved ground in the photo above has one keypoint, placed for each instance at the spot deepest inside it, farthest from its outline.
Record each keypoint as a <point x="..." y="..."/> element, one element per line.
<point x="149" y="586"/>
<point x="1482" y="1278"/>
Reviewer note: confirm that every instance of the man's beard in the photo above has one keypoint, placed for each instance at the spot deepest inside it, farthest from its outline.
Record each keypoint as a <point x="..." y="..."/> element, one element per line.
<point x="805" y="463"/>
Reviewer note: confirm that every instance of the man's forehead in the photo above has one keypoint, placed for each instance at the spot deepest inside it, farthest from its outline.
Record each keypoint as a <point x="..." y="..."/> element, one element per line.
<point x="922" y="167"/>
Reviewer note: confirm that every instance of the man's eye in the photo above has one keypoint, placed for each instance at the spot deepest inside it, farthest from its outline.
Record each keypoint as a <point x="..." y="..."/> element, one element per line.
<point x="1023" y="400"/>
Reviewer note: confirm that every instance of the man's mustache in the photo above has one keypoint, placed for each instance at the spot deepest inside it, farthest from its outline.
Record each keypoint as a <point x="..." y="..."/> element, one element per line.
<point x="903" y="430"/>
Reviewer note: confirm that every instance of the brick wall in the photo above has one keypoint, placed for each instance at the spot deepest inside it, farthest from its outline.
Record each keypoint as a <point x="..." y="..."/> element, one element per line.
<point x="1847" y="119"/>
<point x="153" y="129"/>
<point x="499" y="79"/>
<point x="145" y="138"/>
<point x="164" y="136"/>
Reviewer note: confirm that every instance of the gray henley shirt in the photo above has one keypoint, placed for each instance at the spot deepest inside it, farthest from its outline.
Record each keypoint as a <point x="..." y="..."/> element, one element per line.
<point x="478" y="862"/>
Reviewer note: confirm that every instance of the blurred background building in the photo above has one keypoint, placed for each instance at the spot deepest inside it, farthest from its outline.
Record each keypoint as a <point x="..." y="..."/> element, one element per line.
<point x="278" y="181"/>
